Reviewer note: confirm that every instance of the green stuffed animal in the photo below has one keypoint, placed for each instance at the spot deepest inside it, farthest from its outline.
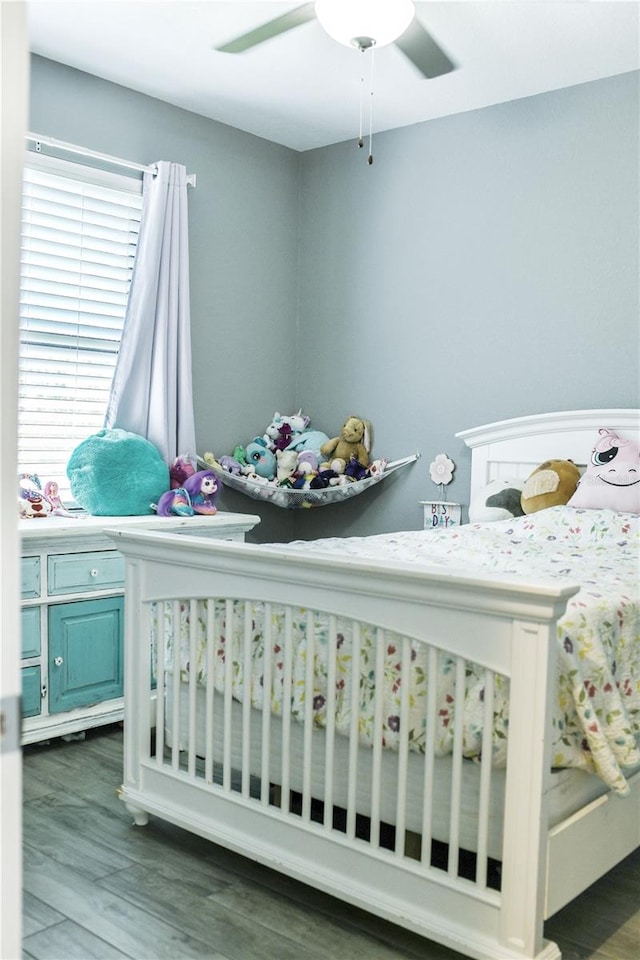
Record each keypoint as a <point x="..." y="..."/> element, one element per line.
<point x="354" y="442"/>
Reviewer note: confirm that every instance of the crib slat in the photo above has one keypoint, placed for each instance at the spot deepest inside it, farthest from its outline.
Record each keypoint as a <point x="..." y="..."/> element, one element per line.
<point x="161" y="659"/>
<point x="403" y="748"/>
<point x="378" y="715"/>
<point x="485" y="779"/>
<point x="354" y="731"/>
<point x="228" y="693"/>
<point x="193" y="684"/>
<point x="330" y="725"/>
<point x="266" y="703"/>
<point x="429" y="755"/>
<point x="210" y="690"/>
<point x="456" y="767"/>
<point x="286" y="708"/>
<point x="176" y="634"/>
<point x="308" y="718"/>
<point x="246" y="700"/>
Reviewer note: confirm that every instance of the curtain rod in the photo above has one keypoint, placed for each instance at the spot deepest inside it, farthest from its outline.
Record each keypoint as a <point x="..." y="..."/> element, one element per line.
<point x="105" y="157"/>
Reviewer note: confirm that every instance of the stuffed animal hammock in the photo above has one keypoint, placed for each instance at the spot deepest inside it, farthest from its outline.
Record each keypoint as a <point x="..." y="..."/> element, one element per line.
<point x="295" y="499"/>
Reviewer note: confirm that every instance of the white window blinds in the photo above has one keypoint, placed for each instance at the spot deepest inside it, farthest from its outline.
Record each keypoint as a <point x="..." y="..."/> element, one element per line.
<point x="79" y="233"/>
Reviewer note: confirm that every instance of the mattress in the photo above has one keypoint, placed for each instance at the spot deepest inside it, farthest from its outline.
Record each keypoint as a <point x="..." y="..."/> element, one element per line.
<point x="570" y="789"/>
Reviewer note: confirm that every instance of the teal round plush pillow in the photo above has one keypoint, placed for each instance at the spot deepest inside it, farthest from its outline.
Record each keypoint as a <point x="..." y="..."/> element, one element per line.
<point x="114" y="473"/>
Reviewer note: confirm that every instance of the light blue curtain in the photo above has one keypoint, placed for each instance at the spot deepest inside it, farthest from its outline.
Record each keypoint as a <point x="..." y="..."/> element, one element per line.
<point x="151" y="393"/>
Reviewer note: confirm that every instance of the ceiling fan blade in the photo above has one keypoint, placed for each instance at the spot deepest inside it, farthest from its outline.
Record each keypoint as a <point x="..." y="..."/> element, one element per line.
<point x="423" y="51"/>
<point x="273" y="28"/>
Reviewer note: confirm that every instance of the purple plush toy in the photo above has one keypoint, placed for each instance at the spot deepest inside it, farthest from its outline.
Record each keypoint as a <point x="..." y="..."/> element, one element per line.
<point x="180" y="471"/>
<point x="283" y="438"/>
<point x="197" y="495"/>
<point x="230" y="465"/>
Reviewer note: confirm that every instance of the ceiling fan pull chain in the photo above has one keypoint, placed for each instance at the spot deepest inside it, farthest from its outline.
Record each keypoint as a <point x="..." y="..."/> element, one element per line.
<point x="360" y="140"/>
<point x="370" y="157"/>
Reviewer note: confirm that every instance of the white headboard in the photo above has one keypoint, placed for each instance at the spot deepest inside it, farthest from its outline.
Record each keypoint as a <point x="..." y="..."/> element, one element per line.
<point x="512" y="449"/>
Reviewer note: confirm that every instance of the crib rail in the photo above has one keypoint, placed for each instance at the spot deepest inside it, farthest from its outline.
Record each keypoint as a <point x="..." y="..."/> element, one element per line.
<point x="253" y="751"/>
<point x="306" y="754"/>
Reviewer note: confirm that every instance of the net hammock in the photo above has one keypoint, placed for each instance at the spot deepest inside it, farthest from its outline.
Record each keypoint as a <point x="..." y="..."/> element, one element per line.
<point x="291" y="499"/>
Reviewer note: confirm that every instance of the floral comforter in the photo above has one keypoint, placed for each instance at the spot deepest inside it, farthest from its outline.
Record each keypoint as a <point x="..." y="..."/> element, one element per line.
<point x="597" y="711"/>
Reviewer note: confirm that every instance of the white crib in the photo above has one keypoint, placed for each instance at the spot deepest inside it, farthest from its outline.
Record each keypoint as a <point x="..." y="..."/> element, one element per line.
<point x="465" y="854"/>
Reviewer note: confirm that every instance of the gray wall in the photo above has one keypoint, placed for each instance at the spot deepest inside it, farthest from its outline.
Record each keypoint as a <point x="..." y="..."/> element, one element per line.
<point x="485" y="266"/>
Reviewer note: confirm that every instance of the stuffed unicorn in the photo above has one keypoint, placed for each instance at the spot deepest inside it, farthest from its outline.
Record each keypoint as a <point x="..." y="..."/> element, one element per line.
<point x="612" y="478"/>
<point x="197" y="495"/>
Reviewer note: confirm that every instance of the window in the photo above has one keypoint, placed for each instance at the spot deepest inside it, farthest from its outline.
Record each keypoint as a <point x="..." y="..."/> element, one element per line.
<point x="79" y="233"/>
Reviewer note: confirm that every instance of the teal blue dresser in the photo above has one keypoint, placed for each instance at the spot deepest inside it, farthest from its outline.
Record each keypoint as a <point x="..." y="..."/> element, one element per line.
<point x="73" y="617"/>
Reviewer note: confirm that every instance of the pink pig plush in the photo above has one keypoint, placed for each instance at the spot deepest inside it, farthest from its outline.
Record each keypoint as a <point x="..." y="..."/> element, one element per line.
<point x="612" y="477"/>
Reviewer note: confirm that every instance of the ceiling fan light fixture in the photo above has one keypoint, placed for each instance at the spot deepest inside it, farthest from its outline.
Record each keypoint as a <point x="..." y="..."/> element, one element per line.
<point x="351" y="22"/>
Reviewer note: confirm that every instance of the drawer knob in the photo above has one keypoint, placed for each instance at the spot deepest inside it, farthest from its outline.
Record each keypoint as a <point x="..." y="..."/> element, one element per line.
<point x="93" y="572"/>
<point x="58" y="661"/>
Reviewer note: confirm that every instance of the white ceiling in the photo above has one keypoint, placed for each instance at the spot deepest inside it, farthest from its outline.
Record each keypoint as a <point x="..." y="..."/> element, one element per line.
<point x="302" y="89"/>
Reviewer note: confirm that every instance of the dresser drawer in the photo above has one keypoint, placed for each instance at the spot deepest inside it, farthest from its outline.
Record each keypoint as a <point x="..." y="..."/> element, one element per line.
<point x="30" y="631"/>
<point x="30" y="570"/>
<point x="31" y="698"/>
<point x="84" y="572"/>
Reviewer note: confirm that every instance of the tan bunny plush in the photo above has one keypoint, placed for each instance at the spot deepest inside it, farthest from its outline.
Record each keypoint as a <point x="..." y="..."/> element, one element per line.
<point x="354" y="441"/>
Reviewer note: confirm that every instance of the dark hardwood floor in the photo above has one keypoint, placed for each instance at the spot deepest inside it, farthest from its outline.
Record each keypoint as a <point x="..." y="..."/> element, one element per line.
<point x="98" y="888"/>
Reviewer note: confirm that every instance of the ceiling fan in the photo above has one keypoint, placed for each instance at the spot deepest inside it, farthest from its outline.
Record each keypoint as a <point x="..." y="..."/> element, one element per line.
<point x="362" y="24"/>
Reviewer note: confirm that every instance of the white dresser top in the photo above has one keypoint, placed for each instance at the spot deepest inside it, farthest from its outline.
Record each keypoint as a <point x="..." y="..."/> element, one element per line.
<point x="40" y="528"/>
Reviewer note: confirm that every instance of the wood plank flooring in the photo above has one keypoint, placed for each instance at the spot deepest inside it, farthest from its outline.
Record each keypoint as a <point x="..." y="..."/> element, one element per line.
<point x="98" y="888"/>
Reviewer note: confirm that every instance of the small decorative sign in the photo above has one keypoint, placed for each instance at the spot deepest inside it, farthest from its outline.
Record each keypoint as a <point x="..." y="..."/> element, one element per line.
<point x="441" y="514"/>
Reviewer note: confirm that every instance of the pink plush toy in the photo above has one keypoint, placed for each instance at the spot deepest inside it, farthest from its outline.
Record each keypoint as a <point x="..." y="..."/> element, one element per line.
<point x="179" y="471"/>
<point x="612" y="478"/>
<point x="197" y="495"/>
